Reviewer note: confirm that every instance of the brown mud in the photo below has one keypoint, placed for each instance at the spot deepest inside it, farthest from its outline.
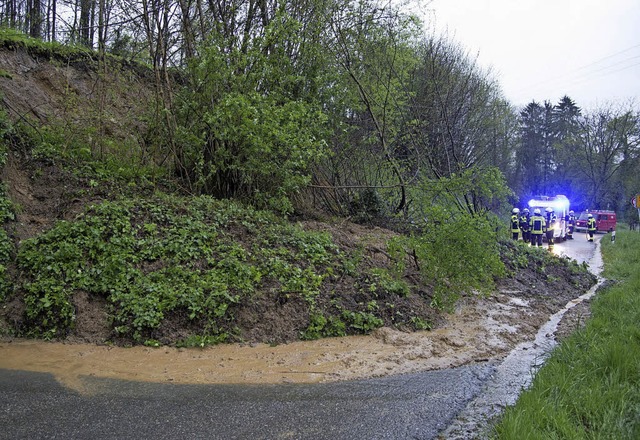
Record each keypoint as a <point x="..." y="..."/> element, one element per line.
<point x="480" y="329"/>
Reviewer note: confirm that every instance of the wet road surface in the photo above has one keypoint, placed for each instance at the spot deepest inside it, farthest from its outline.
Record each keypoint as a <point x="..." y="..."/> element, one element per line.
<point x="415" y="406"/>
<point x="515" y="373"/>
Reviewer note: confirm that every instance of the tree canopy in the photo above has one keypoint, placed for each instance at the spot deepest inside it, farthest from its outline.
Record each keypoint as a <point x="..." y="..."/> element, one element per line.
<point x="346" y="105"/>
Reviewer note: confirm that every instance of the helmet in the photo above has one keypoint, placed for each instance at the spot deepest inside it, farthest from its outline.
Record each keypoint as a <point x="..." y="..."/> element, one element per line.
<point x="571" y="212"/>
<point x="525" y="210"/>
<point x="515" y="210"/>
<point x="590" y="215"/>
<point x="536" y="211"/>
<point x="549" y="209"/>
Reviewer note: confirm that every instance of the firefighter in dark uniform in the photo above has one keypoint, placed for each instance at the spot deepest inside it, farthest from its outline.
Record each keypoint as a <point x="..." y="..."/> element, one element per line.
<point x="551" y="221"/>
<point x="537" y="226"/>
<point x="571" y="224"/>
<point x="524" y="225"/>
<point x="515" y="223"/>
<point x="591" y="227"/>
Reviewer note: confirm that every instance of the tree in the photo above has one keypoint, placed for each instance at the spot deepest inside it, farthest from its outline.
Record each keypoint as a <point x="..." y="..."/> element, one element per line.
<point x="85" y="30"/>
<point x="249" y="132"/>
<point x="503" y="139"/>
<point x="461" y="124"/>
<point x="528" y="170"/>
<point x="454" y="108"/>
<point x="34" y="18"/>
<point x="372" y="49"/>
<point x="10" y="13"/>
<point x="565" y="127"/>
<point x="608" y="137"/>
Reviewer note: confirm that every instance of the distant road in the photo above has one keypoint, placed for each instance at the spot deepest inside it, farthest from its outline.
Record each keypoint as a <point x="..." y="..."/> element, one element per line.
<point x="582" y="250"/>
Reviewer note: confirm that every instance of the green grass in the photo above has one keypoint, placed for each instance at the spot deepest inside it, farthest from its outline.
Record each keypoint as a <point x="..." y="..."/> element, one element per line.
<point x="590" y="386"/>
<point x="12" y="39"/>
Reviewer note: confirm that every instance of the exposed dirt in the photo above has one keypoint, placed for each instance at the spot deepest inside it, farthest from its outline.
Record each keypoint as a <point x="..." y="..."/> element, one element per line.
<point x="44" y="87"/>
<point x="481" y="328"/>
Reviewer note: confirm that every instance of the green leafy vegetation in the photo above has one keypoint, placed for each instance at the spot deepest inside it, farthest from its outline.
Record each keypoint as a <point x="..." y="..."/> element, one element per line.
<point x="474" y="266"/>
<point x="6" y="214"/>
<point x="173" y="186"/>
<point x="196" y="260"/>
<point x="153" y="257"/>
<point x="245" y="143"/>
<point x="589" y="386"/>
<point x="321" y="326"/>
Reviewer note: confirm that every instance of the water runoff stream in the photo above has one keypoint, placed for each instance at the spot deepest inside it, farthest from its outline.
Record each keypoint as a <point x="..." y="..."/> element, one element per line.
<point x="516" y="372"/>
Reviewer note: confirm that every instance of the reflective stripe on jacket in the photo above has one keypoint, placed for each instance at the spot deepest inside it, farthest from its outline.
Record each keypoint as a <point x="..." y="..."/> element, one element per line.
<point x="515" y="226"/>
<point x="537" y="224"/>
<point x="591" y="224"/>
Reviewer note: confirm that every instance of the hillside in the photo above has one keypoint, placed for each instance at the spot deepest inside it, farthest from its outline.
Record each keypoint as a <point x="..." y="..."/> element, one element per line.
<point x="123" y="257"/>
<point x="73" y="91"/>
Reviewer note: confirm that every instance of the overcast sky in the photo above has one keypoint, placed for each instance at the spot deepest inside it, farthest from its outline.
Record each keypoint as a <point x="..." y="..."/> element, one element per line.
<point x="543" y="49"/>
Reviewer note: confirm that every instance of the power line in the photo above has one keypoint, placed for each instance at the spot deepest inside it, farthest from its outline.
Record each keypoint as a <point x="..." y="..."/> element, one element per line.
<point x="609" y="56"/>
<point x="579" y="75"/>
<point x="572" y="75"/>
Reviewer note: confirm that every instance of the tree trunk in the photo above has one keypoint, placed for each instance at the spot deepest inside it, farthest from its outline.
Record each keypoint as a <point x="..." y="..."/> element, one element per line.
<point x="187" y="30"/>
<point x="85" y="22"/>
<point x="35" y="19"/>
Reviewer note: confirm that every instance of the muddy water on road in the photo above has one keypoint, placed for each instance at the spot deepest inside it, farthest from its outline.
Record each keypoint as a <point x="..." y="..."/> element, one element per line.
<point x="516" y="371"/>
<point x="479" y="330"/>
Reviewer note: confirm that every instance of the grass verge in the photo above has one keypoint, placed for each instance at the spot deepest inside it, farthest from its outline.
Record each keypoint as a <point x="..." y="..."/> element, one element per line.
<point x="590" y="386"/>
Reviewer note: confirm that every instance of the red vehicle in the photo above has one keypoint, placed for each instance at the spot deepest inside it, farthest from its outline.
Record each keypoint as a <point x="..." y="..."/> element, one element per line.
<point x="605" y="220"/>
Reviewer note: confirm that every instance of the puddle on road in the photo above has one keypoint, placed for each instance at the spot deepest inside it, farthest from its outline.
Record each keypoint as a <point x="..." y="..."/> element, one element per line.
<point x="516" y="371"/>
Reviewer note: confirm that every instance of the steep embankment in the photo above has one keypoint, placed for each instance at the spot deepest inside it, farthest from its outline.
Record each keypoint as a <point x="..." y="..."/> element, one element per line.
<point x="74" y="91"/>
<point x="306" y="279"/>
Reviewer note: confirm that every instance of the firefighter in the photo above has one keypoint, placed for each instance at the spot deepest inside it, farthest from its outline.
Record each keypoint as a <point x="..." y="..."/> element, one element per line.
<point x="551" y="221"/>
<point x="591" y="227"/>
<point x="524" y="225"/>
<point x="570" y="219"/>
<point x="515" y="223"/>
<point x="537" y="226"/>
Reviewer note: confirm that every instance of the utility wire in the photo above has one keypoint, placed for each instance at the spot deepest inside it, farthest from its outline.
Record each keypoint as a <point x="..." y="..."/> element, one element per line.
<point x="609" y="56"/>
<point x="577" y="76"/>
<point x="572" y="75"/>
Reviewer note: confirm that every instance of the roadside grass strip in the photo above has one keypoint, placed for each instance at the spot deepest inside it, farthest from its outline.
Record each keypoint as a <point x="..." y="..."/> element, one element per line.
<point x="590" y="386"/>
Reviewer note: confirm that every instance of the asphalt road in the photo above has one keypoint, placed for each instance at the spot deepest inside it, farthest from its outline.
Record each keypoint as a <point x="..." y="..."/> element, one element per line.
<point x="582" y="250"/>
<point x="416" y="406"/>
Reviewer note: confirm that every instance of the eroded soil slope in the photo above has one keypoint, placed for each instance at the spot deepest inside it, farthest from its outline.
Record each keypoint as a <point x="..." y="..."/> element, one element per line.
<point x="481" y="328"/>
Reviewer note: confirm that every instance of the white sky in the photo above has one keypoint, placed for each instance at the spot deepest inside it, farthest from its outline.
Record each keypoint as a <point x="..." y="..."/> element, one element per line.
<point x="543" y="49"/>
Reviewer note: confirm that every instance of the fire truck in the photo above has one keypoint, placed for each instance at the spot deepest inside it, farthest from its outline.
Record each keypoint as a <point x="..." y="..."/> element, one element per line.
<point x="560" y="206"/>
